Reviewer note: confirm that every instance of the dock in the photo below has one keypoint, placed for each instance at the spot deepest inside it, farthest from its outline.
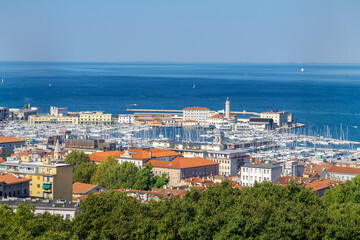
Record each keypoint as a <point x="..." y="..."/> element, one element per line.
<point x="180" y="111"/>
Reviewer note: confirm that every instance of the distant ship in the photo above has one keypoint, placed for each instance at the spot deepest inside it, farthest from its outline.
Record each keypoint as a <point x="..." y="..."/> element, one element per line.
<point x="194" y="86"/>
<point x="2" y="81"/>
<point x="302" y="71"/>
<point x="49" y="83"/>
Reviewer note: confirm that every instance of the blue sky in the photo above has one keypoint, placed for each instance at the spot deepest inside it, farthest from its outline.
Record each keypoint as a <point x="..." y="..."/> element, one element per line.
<point x="273" y="31"/>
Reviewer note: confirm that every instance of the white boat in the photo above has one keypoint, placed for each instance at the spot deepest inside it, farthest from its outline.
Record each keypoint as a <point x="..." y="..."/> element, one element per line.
<point x="302" y="70"/>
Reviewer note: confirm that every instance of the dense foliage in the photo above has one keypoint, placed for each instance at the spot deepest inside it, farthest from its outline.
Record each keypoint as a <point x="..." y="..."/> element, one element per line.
<point x="110" y="174"/>
<point x="265" y="211"/>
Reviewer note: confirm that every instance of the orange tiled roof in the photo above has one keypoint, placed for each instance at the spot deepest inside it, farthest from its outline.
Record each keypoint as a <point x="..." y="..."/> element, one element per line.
<point x="317" y="185"/>
<point x="344" y="170"/>
<point x="155" y="153"/>
<point x="100" y="156"/>
<point x="182" y="162"/>
<point x="10" y="178"/>
<point x="196" y="108"/>
<point x="1" y="159"/>
<point x="79" y="188"/>
<point x="6" y="139"/>
<point x="189" y="121"/>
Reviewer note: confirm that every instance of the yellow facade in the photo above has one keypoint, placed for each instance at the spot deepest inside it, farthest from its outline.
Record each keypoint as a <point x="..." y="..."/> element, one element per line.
<point x="95" y="118"/>
<point x="48" y="179"/>
<point x="53" y="119"/>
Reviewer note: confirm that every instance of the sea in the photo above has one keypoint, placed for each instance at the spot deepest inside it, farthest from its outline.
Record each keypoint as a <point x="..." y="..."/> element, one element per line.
<point x="325" y="97"/>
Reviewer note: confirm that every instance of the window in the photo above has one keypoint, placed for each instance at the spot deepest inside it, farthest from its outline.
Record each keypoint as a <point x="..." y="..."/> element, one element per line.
<point x="38" y="186"/>
<point x="38" y="193"/>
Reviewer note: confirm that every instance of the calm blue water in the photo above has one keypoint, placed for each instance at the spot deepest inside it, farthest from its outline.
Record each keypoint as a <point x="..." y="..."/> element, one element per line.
<point x="324" y="95"/>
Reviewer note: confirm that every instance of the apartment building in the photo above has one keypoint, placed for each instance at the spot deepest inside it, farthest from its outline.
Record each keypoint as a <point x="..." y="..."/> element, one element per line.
<point x="199" y="114"/>
<point x="229" y="161"/>
<point x="280" y="118"/>
<point x="126" y="118"/>
<point x="47" y="119"/>
<point x="12" y="185"/>
<point x="251" y="173"/>
<point x="180" y="168"/>
<point x="97" y="118"/>
<point x="49" y="179"/>
<point x="8" y="144"/>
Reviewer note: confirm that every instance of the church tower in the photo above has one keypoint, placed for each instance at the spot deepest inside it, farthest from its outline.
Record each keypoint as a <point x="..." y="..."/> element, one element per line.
<point x="57" y="151"/>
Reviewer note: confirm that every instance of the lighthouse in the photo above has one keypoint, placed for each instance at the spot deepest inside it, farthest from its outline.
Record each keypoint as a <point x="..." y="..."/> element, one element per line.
<point x="227" y="109"/>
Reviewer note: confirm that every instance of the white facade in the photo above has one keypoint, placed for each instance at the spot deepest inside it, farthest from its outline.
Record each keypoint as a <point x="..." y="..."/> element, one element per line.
<point x="279" y="117"/>
<point x="199" y="114"/>
<point x="252" y="173"/>
<point x="56" y="111"/>
<point x="228" y="160"/>
<point x="126" y="118"/>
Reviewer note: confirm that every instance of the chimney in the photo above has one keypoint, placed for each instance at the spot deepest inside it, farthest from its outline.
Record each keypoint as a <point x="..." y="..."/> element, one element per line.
<point x="150" y="154"/>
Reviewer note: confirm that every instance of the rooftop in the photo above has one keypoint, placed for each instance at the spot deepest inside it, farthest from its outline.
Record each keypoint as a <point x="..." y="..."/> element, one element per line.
<point x="7" y="139"/>
<point x="32" y="163"/>
<point x="11" y="179"/>
<point x="197" y="108"/>
<point x="266" y="166"/>
<point x="82" y="188"/>
<point x="344" y="170"/>
<point x="182" y="162"/>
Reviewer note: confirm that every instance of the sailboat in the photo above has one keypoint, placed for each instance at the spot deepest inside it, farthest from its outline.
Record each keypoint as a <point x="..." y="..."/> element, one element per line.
<point x="2" y="81"/>
<point x="49" y="83"/>
<point x="194" y="86"/>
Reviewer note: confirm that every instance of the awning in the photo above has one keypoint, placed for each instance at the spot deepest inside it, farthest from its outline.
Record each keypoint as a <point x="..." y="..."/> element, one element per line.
<point x="46" y="186"/>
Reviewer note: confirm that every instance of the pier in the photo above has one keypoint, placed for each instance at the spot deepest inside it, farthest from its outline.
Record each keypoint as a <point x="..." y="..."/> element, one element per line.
<point x="180" y="111"/>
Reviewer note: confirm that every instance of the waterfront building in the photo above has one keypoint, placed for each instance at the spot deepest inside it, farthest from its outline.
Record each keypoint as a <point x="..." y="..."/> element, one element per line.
<point x="97" y="118"/>
<point x="261" y="123"/>
<point x="280" y="118"/>
<point x="126" y="118"/>
<point x="49" y="179"/>
<point x="229" y="161"/>
<point x="13" y="186"/>
<point x="180" y="168"/>
<point x="81" y="189"/>
<point x="199" y="114"/>
<point x="22" y="114"/>
<point x="56" y="111"/>
<point x="251" y="173"/>
<point x="242" y="125"/>
<point x="190" y="123"/>
<point x="8" y="144"/>
<point x="220" y="118"/>
<point x="47" y="119"/>
<point x="4" y="113"/>
<point x="66" y="209"/>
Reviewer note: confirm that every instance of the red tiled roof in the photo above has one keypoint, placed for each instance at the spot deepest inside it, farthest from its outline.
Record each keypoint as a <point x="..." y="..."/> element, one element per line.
<point x="155" y="153"/>
<point x="344" y="170"/>
<point x="317" y="185"/>
<point x="11" y="179"/>
<point x="196" y="108"/>
<point x="82" y="188"/>
<point x="6" y="139"/>
<point x="182" y="162"/>
<point x="100" y="156"/>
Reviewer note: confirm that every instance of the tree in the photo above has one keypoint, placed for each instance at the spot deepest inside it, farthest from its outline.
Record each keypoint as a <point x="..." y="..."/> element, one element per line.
<point x="84" y="172"/>
<point x="107" y="173"/>
<point x="116" y="115"/>
<point x="161" y="181"/>
<point x="145" y="179"/>
<point x="25" y="106"/>
<point x="76" y="158"/>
